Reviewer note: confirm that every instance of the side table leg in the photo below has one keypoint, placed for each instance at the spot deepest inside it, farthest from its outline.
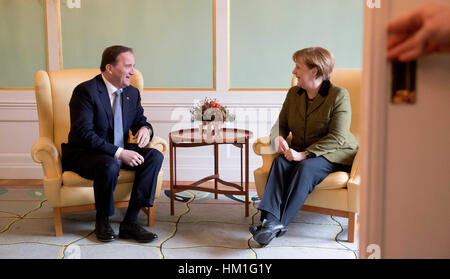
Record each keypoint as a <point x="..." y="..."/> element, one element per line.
<point x="246" y="178"/>
<point x="216" y="168"/>
<point x="171" y="147"/>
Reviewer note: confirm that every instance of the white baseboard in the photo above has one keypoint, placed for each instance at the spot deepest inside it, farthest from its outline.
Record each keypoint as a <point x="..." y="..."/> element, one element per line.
<point x="19" y="166"/>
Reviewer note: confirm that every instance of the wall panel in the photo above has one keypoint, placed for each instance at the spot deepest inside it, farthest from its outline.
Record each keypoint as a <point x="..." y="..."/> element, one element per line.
<point x="22" y="43"/>
<point x="265" y="33"/>
<point x="172" y="39"/>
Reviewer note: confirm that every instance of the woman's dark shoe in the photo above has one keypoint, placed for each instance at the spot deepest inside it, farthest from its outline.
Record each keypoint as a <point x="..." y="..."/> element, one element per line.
<point x="268" y="231"/>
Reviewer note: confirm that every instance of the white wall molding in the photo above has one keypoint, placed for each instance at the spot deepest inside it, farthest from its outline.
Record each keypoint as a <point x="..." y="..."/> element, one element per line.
<point x="374" y="98"/>
<point x="53" y="34"/>
<point x="19" y="166"/>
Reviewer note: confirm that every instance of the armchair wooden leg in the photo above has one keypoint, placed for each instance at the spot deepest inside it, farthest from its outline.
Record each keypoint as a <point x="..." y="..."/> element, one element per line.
<point x="352" y="226"/>
<point x="151" y="221"/>
<point x="57" y="221"/>
<point x="150" y="216"/>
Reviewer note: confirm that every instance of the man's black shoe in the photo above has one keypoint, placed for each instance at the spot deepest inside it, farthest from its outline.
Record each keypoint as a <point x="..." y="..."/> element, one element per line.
<point x="135" y="231"/>
<point x="103" y="231"/>
<point x="268" y="231"/>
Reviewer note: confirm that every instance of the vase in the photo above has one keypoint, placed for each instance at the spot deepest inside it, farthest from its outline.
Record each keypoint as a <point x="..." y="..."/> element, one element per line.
<point x="210" y="129"/>
<point x="218" y="129"/>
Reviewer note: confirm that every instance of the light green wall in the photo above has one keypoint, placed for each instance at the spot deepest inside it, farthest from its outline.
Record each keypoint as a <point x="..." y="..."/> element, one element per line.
<point x="22" y="42"/>
<point x="265" y="33"/>
<point x="172" y="39"/>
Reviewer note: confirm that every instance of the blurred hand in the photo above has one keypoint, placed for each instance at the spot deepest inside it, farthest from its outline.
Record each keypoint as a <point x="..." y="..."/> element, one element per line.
<point x="422" y="32"/>
<point x="131" y="158"/>
<point x="292" y="155"/>
<point x="142" y="137"/>
<point x="281" y="144"/>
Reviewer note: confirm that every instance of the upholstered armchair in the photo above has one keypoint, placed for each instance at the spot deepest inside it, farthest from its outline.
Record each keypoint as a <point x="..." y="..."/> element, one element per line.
<point x="67" y="191"/>
<point x="338" y="194"/>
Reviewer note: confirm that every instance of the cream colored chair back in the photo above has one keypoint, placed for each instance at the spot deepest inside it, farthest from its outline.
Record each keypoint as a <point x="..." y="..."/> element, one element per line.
<point x="53" y="93"/>
<point x="350" y="79"/>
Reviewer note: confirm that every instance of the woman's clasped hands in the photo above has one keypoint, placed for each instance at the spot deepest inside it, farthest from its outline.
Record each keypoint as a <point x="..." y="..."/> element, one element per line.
<point x="289" y="153"/>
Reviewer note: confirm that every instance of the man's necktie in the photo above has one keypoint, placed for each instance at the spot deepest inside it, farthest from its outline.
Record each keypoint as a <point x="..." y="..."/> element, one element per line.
<point x="118" y="128"/>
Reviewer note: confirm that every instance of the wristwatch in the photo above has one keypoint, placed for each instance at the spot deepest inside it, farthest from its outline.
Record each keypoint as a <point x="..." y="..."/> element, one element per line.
<point x="309" y="154"/>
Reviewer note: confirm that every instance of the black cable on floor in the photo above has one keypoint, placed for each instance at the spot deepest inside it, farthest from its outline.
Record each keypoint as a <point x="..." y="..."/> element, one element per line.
<point x="253" y="222"/>
<point x="338" y="241"/>
<point x="176" y="224"/>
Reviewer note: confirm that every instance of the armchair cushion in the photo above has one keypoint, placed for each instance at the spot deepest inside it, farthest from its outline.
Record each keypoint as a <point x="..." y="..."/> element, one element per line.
<point x="70" y="178"/>
<point x="335" y="180"/>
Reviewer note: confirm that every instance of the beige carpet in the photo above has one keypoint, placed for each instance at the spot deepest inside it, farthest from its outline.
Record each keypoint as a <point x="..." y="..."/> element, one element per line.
<point x="202" y="227"/>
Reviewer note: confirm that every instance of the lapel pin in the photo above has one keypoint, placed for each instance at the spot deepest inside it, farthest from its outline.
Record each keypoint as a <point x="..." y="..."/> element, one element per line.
<point x="128" y="98"/>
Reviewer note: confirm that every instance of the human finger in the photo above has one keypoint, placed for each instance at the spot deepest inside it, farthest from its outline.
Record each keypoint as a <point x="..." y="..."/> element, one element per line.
<point x="286" y="156"/>
<point x="138" y="159"/>
<point x="413" y="45"/>
<point x="134" y="163"/>
<point x="284" y="144"/>
<point x="278" y="145"/>
<point x="144" y="142"/>
<point x="289" y="157"/>
<point x="141" y="141"/>
<point x="130" y="161"/>
<point x="135" y="159"/>
<point x="410" y="55"/>
<point x="289" y="154"/>
<point x="407" y="23"/>
<point x="139" y="136"/>
<point x="141" y="159"/>
<point x="396" y="38"/>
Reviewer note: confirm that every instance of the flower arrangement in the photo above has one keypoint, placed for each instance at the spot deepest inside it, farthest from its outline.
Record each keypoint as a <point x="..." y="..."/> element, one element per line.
<point x="209" y="109"/>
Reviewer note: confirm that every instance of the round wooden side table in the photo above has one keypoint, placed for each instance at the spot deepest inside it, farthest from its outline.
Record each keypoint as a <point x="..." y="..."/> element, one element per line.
<point x="187" y="138"/>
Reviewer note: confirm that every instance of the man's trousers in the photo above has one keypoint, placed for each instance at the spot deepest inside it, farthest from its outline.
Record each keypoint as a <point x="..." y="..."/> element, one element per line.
<point x="104" y="170"/>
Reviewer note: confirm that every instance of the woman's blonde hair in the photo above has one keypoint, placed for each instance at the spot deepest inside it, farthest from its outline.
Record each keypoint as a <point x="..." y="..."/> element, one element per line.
<point x="317" y="57"/>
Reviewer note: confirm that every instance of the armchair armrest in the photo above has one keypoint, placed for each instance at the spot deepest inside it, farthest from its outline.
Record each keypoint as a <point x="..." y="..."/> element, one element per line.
<point x="354" y="183"/>
<point x="263" y="148"/>
<point x="44" y="151"/>
<point x="158" y="143"/>
<point x="355" y="175"/>
<point x="262" y="145"/>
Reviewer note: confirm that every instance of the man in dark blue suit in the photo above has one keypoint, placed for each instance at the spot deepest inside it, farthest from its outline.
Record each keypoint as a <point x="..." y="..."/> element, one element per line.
<point x="102" y="111"/>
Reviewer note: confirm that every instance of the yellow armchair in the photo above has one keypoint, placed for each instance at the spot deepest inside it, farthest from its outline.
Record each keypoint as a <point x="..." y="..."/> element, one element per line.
<point x="67" y="191"/>
<point x="338" y="194"/>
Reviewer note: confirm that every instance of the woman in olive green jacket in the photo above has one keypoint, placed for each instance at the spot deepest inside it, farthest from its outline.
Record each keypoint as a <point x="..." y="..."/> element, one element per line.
<point x="318" y="114"/>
